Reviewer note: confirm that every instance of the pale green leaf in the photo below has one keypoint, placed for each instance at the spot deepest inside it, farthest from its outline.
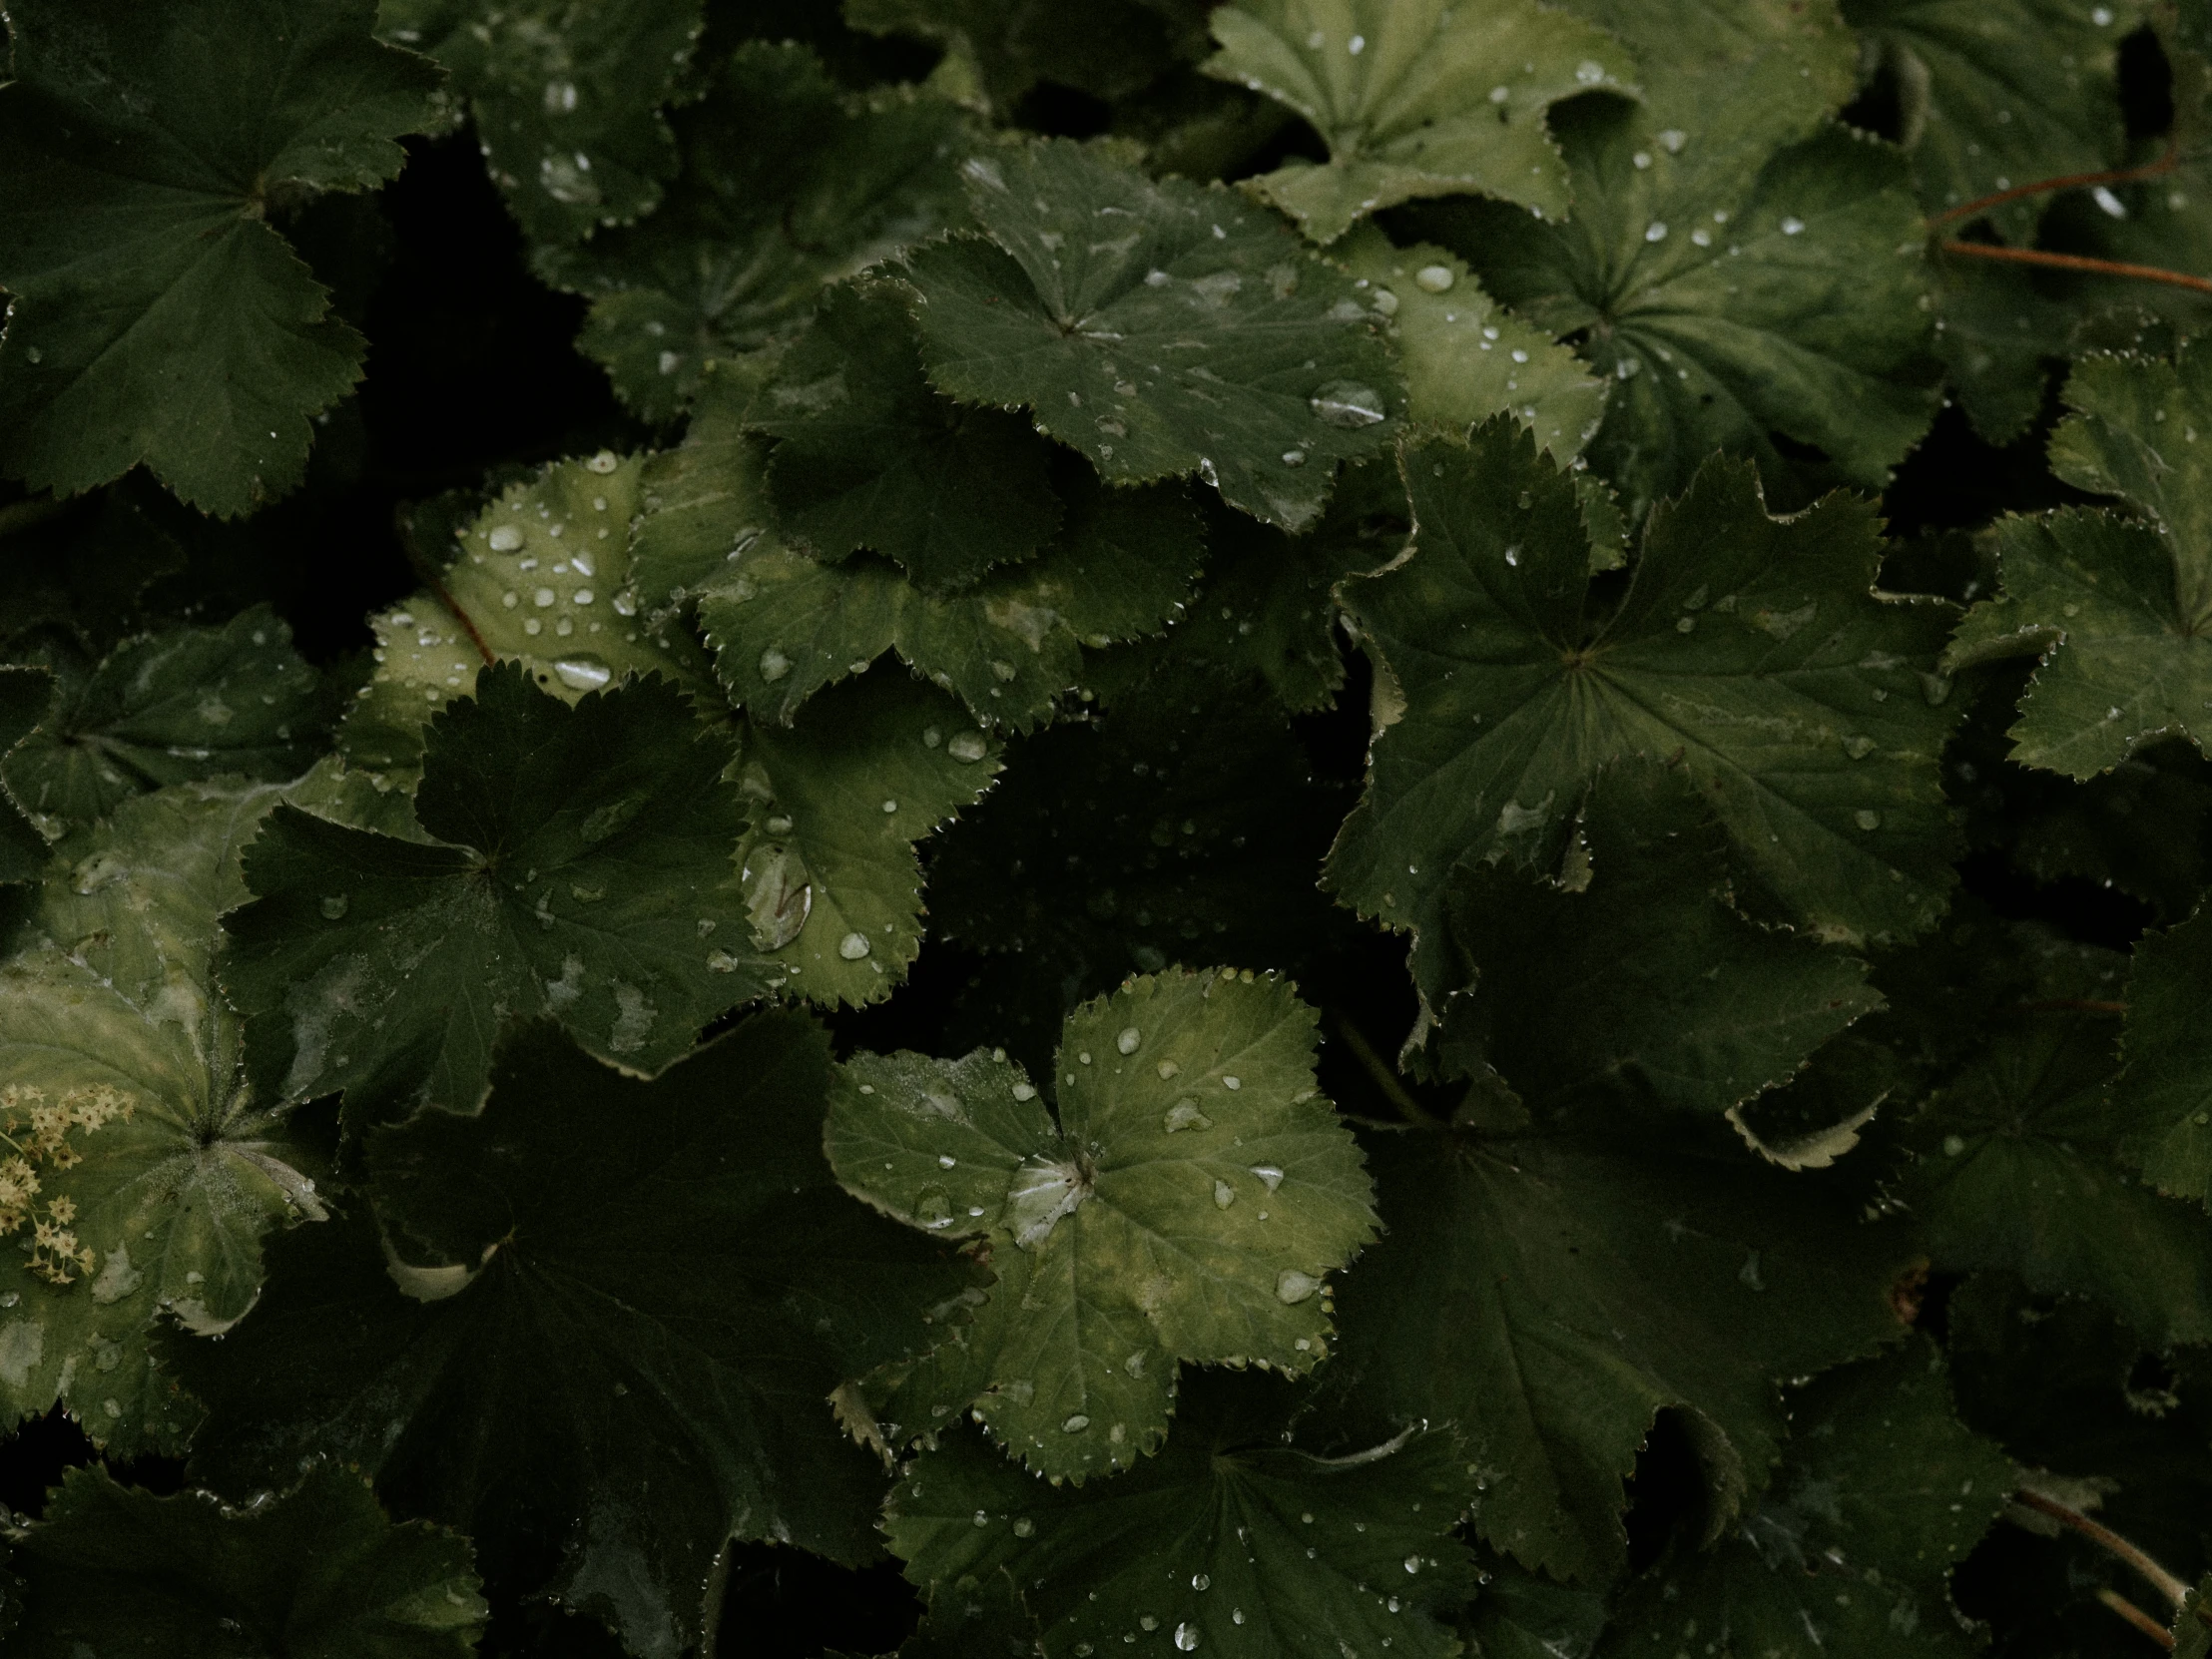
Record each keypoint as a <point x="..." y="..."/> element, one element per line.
<point x="1187" y="1203"/>
<point x="317" y="1569"/>
<point x="1881" y="1491"/>
<point x="1228" y="1542"/>
<point x="1415" y="98"/>
<point x="1748" y="650"/>
<point x="1197" y="336"/>
<point x="1683" y="46"/>
<point x="156" y="316"/>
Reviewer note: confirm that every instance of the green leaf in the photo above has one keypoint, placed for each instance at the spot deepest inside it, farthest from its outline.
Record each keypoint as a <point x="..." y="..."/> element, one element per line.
<point x="1736" y="294"/>
<point x="157" y="317"/>
<point x="1466" y="358"/>
<point x="705" y="499"/>
<point x="114" y="1014"/>
<point x="1522" y="1615"/>
<point x="1198" y="336"/>
<point x="1647" y="982"/>
<point x="782" y="625"/>
<point x="1683" y="47"/>
<point x="2165" y="1094"/>
<point x="786" y="187"/>
<point x="607" y="1288"/>
<point x="24" y="694"/>
<point x="1880" y="1493"/>
<point x="1229" y="1541"/>
<point x="872" y="457"/>
<point x="542" y="577"/>
<point x="832" y="884"/>
<point x="1413" y="101"/>
<point x="2001" y="94"/>
<point x="997" y="50"/>
<point x="2014" y="1163"/>
<point x="180" y="705"/>
<point x="1187" y="1203"/>
<point x="1550" y="1292"/>
<point x="566" y="98"/>
<point x="1748" y="650"/>
<point x="2192" y="1626"/>
<point x="582" y="859"/>
<point x="317" y="1571"/>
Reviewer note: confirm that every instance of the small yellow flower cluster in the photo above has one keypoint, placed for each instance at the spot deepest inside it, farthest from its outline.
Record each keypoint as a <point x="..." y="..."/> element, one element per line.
<point x="36" y="1131"/>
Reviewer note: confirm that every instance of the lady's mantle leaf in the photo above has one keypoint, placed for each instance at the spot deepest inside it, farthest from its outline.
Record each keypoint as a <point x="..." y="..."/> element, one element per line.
<point x="872" y="457"/>
<point x="832" y="886"/>
<point x="1551" y="1292"/>
<point x="169" y="1196"/>
<point x="170" y="708"/>
<point x="1647" y="982"/>
<point x="158" y="317"/>
<point x="24" y="695"/>
<point x="1228" y="1542"/>
<point x="1188" y="1203"/>
<point x="1158" y="327"/>
<point x="567" y="98"/>
<point x="1737" y="294"/>
<point x="2119" y="610"/>
<point x="1749" y="650"/>
<point x="1414" y="100"/>
<point x="787" y="186"/>
<point x="782" y="625"/>
<point x="627" y="1306"/>
<point x="2165" y="1094"/>
<point x="2016" y="1166"/>
<point x="1881" y="1491"/>
<point x="542" y="577"/>
<point x="586" y="861"/>
<point x="320" y="1570"/>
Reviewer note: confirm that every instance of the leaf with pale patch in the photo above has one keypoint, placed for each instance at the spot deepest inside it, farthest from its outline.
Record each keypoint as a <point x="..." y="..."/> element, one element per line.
<point x="1186" y="1202"/>
<point x="1414" y="100"/>
<point x="1159" y="327"/>
<point x="158" y="317"/>
<point x="1234" y="1539"/>
<point x="1750" y="651"/>
<point x="581" y="864"/>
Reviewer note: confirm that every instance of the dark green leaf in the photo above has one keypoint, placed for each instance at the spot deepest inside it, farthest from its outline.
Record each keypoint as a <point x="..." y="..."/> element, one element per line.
<point x="612" y="1288"/>
<point x="2165" y="1094"/>
<point x="1197" y="336"/>
<point x="317" y="1571"/>
<point x="1229" y="1541"/>
<point x="997" y="50"/>
<point x="24" y="695"/>
<point x="158" y="319"/>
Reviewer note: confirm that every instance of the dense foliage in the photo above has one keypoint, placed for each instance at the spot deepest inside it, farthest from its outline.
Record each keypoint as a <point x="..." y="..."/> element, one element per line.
<point x="1332" y="829"/>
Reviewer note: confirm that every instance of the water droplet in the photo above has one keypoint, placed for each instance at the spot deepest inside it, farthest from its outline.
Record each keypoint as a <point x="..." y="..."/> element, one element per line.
<point x="1199" y="1581"/>
<point x="1167" y="1070"/>
<point x="582" y="673"/>
<point x="1954" y="1145"/>
<point x="1129" y="1039"/>
<point x="1590" y="72"/>
<point x="505" y="538"/>
<point x="1356" y="45"/>
<point x="967" y="748"/>
<point x="603" y="462"/>
<point x="889" y="807"/>
<point x="334" y="905"/>
<point x="1232" y="1084"/>
<point x="982" y="1517"/>
<point x="933" y="1207"/>
<point x="1270" y="1177"/>
<point x="853" y="947"/>
<point x="1656" y="230"/>
<point x="1435" y="278"/>
<point x="543" y="598"/>
<point x="1413" y="1563"/>
<point x="1024" y="1527"/>
<point x="1224" y="1195"/>
<point x="1183" y="1114"/>
<point x="1076" y="1425"/>
<point x="1348" y="403"/>
<point x="1186" y="1637"/>
<point x="1792" y="226"/>
<point x="773" y="665"/>
<point x="1294" y="457"/>
<point x="1022" y="1091"/>
<point x="1859" y="747"/>
<point x="1294" y="1287"/>
<point x="1867" y="819"/>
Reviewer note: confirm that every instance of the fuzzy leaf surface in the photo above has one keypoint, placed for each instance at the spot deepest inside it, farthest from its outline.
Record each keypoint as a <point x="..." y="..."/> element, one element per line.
<point x="1159" y="327"/>
<point x="158" y="317"/>
<point x="1749" y="650"/>
<point x="1227" y="1542"/>
<point x="577" y="851"/>
<point x="1187" y="1203"/>
<point x="593" y="1316"/>
<point x="1414" y="100"/>
<point x="320" y="1570"/>
<point x="2166" y="1089"/>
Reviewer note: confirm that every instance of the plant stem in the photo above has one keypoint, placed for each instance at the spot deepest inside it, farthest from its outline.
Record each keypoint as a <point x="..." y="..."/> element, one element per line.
<point x="2167" y="1585"/>
<point x="2075" y="262"/>
<point x="436" y="584"/>
<point x="2072" y="181"/>
<point x="1384" y="1078"/>
<point x="2139" y="1618"/>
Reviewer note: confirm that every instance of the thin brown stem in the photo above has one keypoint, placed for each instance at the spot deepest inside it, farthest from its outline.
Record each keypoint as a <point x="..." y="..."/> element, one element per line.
<point x="2167" y="1585"/>
<point x="2073" y="1005"/>
<point x="2139" y="1618"/>
<point x="2076" y="262"/>
<point x="1384" y="1078"/>
<point x="2072" y="181"/>
<point x="436" y="584"/>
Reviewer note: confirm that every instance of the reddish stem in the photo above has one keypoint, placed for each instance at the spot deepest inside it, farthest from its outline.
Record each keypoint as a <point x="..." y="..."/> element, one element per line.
<point x="2072" y="181"/>
<point x="2139" y="1618"/>
<point x="2167" y="1585"/>
<point x="424" y="569"/>
<point x="2075" y="262"/>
